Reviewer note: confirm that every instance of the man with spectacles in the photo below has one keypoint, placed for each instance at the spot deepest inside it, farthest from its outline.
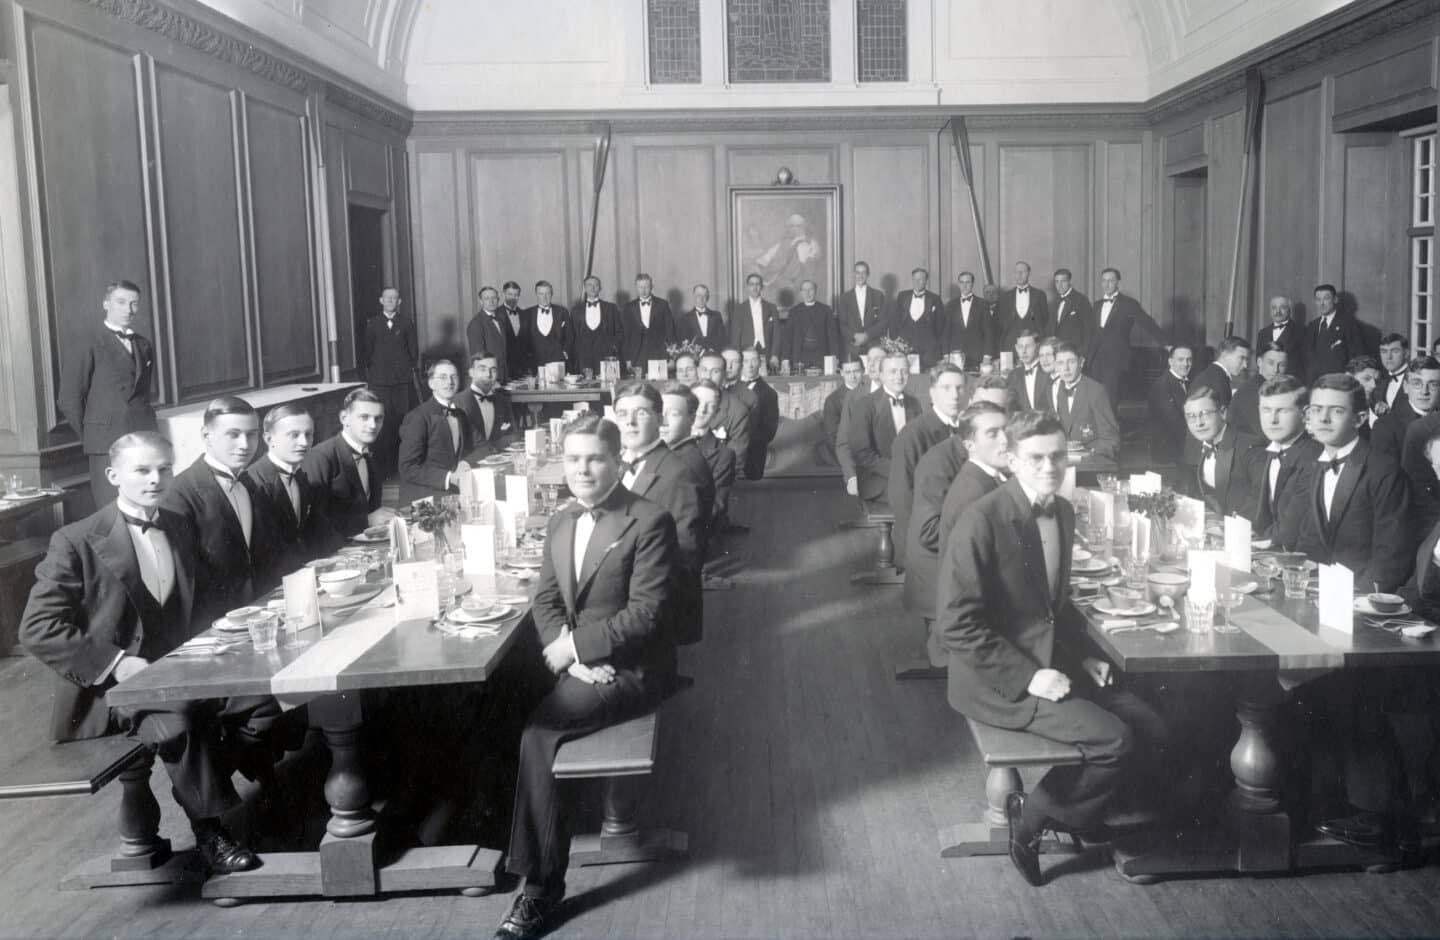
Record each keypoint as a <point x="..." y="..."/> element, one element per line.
<point x="1281" y="469"/>
<point x="1019" y="654"/>
<point x="1217" y="454"/>
<point x="1420" y="381"/>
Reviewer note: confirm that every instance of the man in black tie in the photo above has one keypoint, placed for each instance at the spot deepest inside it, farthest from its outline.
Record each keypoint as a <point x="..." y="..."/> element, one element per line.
<point x="282" y="485"/>
<point x="547" y="330"/>
<point x="347" y="490"/>
<point x="1019" y="653"/>
<point x="514" y="322"/>
<point x="969" y="328"/>
<point x="1332" y="338"/>
<point x="1244" y="409"/>
<point x="391" y="356"/>
<point x="1074" y="317"/>
<point x="851" y="372"/>
<point x="488" y="409"/>
<point x="721" y="458"/>
<point x="1419" y="397"/>
<point x="1282" y="469"/>
<point x="875" y="421"/>
<point x="1029" y="382"/>
<point x="733" y="422"/>
<point x="764" y="415"/>
<point x="1217" y="456"/>
<point x="239" y="550"/>
<point x="647" y="325"/>
<point x="105" y="385"/>
<point x="677" y="426"/>
<point x="115" y="593"/>
<point x="918" y="319"/>
<point x="862" y="312"/>
<point x="1167" y="406"/>
<point x="489" y="332"/>
<point x="1284" y="332"/>
<point x="1022" y="307"/>
<point x="606" y="589"/>
<point x="1107" y="358"/>
<point x="940" y="421"/>
<point x="700" y="325"/>
<point x="1082" y="405"/>
<point x="597" y="329"/>
<point x="1394" y="361"/>
<point x="435" y="439"/>
<point x="1231" y="366"/>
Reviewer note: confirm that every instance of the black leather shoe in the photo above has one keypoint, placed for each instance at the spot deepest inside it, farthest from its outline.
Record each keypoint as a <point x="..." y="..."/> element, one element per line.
<point x="1365" y="830"/>
<point x="528" y="918"/>
<point x="223" y="855"/>
<point x="1024" y="844"/>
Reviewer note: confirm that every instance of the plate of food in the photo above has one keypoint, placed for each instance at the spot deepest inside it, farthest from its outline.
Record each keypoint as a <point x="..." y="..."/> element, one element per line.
<point x="1134" y="610"/>
<point x="484" y="612"/>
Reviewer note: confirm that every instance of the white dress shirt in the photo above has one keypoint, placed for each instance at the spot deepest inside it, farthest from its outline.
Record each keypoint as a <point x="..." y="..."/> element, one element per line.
<point x="1392" y="390"/>
<point x="1207" y="462"/>
<point x="236" y="492"/>
<point x="1328" y="480"/>
<point x="917" y="306"/>
<point x="544" y="320"/>
<point x="637" y="463"/>
<point x="592" y="314"/>
<point x="757" y="320"/>
<point x="123" y="334"/>
<point x="897" y="411"/>
<point x="1106" y="306"/>
<point x="700" y="315"/>
<point x="584" y="529"/>
<point x="966" y="302"/>
<point x="860" y="293"/>
<point x="1276" y="451"/>
<point x="645" y="312"/>
<point x="514" y="319"/>
<point x="152" y="551"/>
<point x="1032" y="374"/>
<point x="1022" y="300"/>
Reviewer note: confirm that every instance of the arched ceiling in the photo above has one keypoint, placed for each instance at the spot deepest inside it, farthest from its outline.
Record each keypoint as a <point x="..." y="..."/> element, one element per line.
<point x="497" y="55"/>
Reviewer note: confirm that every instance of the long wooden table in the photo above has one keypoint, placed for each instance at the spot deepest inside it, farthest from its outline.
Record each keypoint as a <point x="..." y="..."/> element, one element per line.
<point x="1281" y="646"/>
<point x="368" y="650"/>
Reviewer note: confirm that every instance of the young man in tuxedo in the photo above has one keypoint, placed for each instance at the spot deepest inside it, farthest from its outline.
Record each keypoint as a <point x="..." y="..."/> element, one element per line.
<point x="1217" y="456"/>
<point x="918" y="319"/>
<point x="1419" y="396"/>
<point x="606" y="590"/>
<point x="680" y="406"/>
<point x="1167" y="406"/>
<point x="1281" y="470"/>
<point x="598" y="330"/>
<point x="1107" y="358"/>
<point x="283" y="486"/>
<point x="700" y="325"/>
<point x="650" y="470"/>
<point x="392" y="358"/>
<point x="238" y="536"/>
<point x="1284" y="332"/>
<point x="1231" y="366"/>
<point x="869" y="382"/>
<point x="1029" y="382"/>
<point x="435" y="438"/>
<point x="733" y="422"/>
<point x="862" y="312"/>
<point x="1244" y="409"/>
<point x="113" y="594"/>
<point x="875" y="422"/>
<point x="487" y="408"/>
<point x="721" y="458"/>
<point x="1332" y="338"/>
<point x="851" y="373"/>
<point x="1022" y="307"/>
<point x="489" y="332"/>
<point x="105" y="384"/>
<point x="1394" y="362"/>
<point x="547" y="330"/>
<point x="347" y="488"/>
<point x="809" y="333"/>
<point x="1082" y="405"/>
<point x="987" y="448"/>
<point x="940" y="421"/>
<point x="647" y="325"/>
<point x="1019" y="657"/>
<point x="764" y="415"/>
<point x="755" y="322"/>
<point x="1357" y="512"/>
<point x="1074" y="317"/>
<point x="978" y="444"/>
<point x="968" y="326"/>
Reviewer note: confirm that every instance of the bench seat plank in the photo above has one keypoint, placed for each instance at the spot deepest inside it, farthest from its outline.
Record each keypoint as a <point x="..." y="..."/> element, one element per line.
<point x="625" y="749"/>
<point x="1001" y="747"/>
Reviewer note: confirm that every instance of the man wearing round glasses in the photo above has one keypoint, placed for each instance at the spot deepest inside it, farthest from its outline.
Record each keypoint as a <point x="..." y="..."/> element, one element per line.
<point x="1219" y="455"/>
<point x="1420" y="385"/>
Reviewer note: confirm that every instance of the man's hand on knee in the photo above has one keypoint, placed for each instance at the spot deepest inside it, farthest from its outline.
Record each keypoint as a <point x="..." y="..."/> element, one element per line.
<point x="1049" y="684"/>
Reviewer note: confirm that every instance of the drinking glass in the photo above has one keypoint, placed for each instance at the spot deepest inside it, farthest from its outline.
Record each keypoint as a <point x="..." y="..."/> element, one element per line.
<point x="1227" y="601"/>
<point x="1101" y="534"/>
<point x="1109" y="482"/>
<point x="1199" y="614"/>
<point x="1137" y="573"/>
<point x="1296" y="578"/>
<point x="549" y="495"/>
<point x="263" y="632"/>
<point x="292" y="633"/>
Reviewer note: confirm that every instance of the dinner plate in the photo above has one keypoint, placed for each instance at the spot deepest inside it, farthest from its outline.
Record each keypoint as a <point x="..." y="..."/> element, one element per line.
<point x="1362" y="604"/>
<point x="24" y="497"/>
<point x="1139" y="610"/>
<point x="1246" y="587"/>
<point x="1079" y="555"/>
<point x="496" y="613"/>
<point x="496" y="460"/>
<point x="1090" y="566"/>
<point x="366" y="592"/>
<point x="223" y="625"/>
<point x="367" y="538"/>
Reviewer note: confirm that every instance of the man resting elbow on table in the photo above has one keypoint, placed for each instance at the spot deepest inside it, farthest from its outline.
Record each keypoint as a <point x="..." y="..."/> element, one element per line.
<point x="1019" y="657"/>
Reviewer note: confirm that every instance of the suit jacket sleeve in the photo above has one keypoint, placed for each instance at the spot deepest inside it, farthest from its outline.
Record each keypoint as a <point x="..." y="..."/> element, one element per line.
<point x="598" y="637"/>
<point x="740" y="434"/>
<point x="1107" y="429"/>
<point x="862" y="441"/>
<point x="689" y="515"/>
<point x="75" y="387"/>
<point x="48" y="627"/>
<point x="1392" y="554"/>
<point x="961" y="615"/>
<point x="548" y="607"/>
<point x="929" y="495"/>
<point x="843" y="453"/>
<point x="414" y="437"/>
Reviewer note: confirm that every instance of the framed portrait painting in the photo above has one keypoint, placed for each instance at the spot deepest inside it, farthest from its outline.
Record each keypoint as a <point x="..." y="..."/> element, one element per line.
<point x="787" y="235"/>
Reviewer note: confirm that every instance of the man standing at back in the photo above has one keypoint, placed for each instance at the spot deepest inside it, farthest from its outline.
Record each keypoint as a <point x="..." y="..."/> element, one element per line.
<point x="755" y="321"/>
<point x="1167" y="406"/>
<point x="105" y="385"/>
<point x="1108" y="356"/>
<point x="392" y="358"/>
<point x="918" y="319"/>
<point x="547" y="330"/>
<point x="1022" y="307"/>
<point x="597" y="328"/>
<point x="489" y="332"/>
<point x="969" y="328"/>
<point x="1074" y="318"/>
<point x="1332" y="338"/>
<point x="647" y="325"/>
<point x="861" y="312"/>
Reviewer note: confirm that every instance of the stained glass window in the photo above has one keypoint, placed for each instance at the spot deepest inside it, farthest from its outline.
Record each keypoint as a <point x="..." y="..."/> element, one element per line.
<point x="880" y="34"/>
<point x="674" y="27"/>
<point x="778" y="40"/>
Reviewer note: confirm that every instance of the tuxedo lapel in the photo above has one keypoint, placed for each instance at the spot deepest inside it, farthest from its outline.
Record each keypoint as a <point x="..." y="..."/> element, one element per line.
<point x="1224" y="463"/>
<point x="116" y="552"/>
<point x="608" y="530"/>
<point x="227" y="509"/>
<point x="562" y="557"/>
<point x="1350" y="474"/>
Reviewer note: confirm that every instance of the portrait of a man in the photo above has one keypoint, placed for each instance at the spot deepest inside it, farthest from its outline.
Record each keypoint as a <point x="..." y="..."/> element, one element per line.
<point x="786" y="236"/>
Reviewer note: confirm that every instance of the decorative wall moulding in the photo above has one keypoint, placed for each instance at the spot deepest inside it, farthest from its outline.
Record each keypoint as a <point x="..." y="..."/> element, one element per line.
<point x="347" y="100"/>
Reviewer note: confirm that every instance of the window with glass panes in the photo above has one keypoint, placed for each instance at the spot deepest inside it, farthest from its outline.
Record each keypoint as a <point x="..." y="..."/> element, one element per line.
<point x="1422" y="240"/>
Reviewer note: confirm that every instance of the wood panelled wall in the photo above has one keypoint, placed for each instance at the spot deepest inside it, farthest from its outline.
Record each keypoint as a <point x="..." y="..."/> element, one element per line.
<point x="176" y="163"/>
<point x="1331" y="202"/>
<point x="492" y="204"/>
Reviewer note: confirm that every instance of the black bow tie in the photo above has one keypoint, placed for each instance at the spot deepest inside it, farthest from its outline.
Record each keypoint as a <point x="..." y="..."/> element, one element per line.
<point x="1043" y="510"/>
<point x="450" y="410"/>
<point x="1022" y="290"/>
<point x="1207" y="451"/>
<point x="896" y="402"/>
<point x="1334" y="465"/>
<point x="224" y="475"/>
<point x="123" y="334"/>
<point x="645" y="301"/>
<point x="360" y="455"/>
<point x="482" y="396"/>
<point x="1030" y="371"/>
<point x="144" y="525"/>
<point x="592" y="303"/>
<point x="289" y="475"/>
<point x="594" y="512"/>
<point x="545" y="311"/>
<point x="1396" y="375"/>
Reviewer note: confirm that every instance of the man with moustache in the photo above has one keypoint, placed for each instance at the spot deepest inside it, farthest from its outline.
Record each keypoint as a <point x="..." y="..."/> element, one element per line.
<point x="940" y="421"/>
<point x="598" y="331"/>
<point x="1283" y="332"/>
<point x="700" y="325"/>
<point x="489" y="332"/>
<point x="341" y="471"/>
<point x="547" y="330"/>
<point x="514" y="320"/>
<point x="282" y="485"/>
<point x="105" y="385"/>
<point x="1029" y="382"/>
<point x="601" y="609"/>
<point x="969" y="328"/>
<point x="1074" y="317"/>
<point x="647" y="325"/>
<point x="1421" y="383"/>
<point x="114" y="593"/>
<point x="238" y="547"/>
<point x="1281" y="470"/>
<point x="764" y="416"/>
<point x="1220" y="456"/>
<point x="876" y="421"/>
<point x="1244" y="409"/>
<point x="391" y="359"/>
<point x="1019" y="653"/>
<point x="1022" y="307"/>
<point x="435" y="439"/>
<point x="809" y="333"/>
<point x="1167" y="406"/>
<point x="488" y="409"/>
<point x="917" y="319"/>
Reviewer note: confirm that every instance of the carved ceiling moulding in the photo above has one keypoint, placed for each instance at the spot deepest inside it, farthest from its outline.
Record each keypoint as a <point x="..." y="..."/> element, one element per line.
<point x="346" y="100"/>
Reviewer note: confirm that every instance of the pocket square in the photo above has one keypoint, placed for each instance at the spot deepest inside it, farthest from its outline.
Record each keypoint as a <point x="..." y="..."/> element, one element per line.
<point x="505" y="426"/>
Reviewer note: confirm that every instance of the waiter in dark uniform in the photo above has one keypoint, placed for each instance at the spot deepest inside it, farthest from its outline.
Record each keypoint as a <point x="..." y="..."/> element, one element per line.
<point x="392" y="354"/>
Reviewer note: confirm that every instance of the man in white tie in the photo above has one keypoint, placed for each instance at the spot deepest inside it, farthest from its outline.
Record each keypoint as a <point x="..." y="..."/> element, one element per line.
<point x="105" y="383"/>
<point x="281" y="483"/>
<point x="861" y="311"/>
<point x="547" y="329"/>
<point x="753" y="325"/>
<point x="239" y="551"/>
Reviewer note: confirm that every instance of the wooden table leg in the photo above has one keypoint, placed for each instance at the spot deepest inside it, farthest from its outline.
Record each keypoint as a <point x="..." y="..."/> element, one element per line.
<point x="347" y="851"/>
<point x="621" y="839"/>
<point x="884" y="571"/>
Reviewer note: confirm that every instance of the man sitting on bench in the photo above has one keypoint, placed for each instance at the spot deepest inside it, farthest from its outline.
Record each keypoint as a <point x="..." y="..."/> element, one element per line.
<point x="113" y="594"/>
<point x="1018" y="655"/>
<point x="602" y="609"/>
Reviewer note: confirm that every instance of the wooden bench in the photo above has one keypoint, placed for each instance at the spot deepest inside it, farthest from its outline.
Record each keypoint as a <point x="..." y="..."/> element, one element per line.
<point x="33" y="766"/>
<point x="617" y="755"/>
<point x="884" y="571"/>
<point x="1005" y="752"/>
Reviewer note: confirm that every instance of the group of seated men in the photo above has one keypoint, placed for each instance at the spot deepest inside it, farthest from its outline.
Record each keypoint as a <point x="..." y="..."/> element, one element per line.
<point x="175" y="551"/>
